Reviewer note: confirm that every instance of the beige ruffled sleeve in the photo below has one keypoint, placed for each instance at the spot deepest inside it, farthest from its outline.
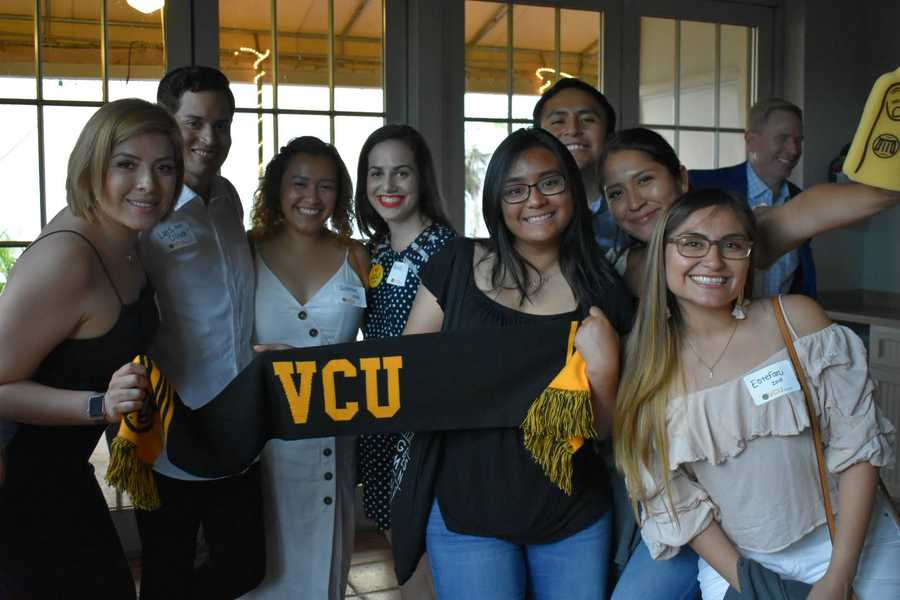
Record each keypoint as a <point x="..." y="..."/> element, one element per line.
<point x="667" y="527"/>
<point x="853" y="428"/>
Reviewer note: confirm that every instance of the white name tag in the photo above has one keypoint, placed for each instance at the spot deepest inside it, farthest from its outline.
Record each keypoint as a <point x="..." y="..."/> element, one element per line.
<point x="174" y="236"/>
<point x="398" y="273"/>
<point x="772" y="382"/>
<point x="353" y="294"/>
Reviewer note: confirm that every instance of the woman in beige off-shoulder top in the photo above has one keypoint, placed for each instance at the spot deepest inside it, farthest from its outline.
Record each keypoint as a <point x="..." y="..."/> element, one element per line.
<point x="712" y="432"/>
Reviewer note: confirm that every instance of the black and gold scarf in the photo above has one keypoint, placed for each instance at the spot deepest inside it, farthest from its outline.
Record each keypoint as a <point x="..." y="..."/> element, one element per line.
<point x="525" y="377"/>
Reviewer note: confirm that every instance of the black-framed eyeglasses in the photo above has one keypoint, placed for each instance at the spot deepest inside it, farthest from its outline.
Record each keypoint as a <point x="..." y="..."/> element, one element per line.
<point x="548" y="186"/>
<point x="695" y="245"/>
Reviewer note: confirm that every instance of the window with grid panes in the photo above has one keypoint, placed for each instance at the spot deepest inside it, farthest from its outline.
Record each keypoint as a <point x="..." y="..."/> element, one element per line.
<point x="512" y="53"/>
<point x="300" y="67"/>
<point x="696" y="85"/>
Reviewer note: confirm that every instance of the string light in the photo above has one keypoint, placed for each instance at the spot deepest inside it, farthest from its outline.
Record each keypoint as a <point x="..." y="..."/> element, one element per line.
<point x="546" y="74"/>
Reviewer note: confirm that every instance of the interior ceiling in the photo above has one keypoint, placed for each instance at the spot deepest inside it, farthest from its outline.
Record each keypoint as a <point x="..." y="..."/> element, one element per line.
<point x="71" y="30"/>
<point x="485" y="21"/>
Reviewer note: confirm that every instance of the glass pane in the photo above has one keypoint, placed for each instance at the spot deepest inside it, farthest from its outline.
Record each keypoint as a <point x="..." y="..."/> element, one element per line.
<point x="136" y="57"/>
<point x="303" y="55"/>
<point x="734" y="78"/>
<point x="292" y="126"/>
<point x="731" y="149"/>
<point x="243" y="165"/>
<point x="534" y="56"/>
<point x="668" y="135"/>
<point x="20" y="219"/>
<point x="358" y="64"/>
<point x="245" y="50"/>
<point x="698" y="74"/>
<point x="581" y="45"/>
<point x="17" y="50"/>
<point x="657" y="71"/>
<point x="350" y="134"/>
<point x="71" y="46"/>
<point x="695" y="149"/>
<point x="8" y="257"/>
<point x="481" y="140"/>
<point x="62" y="125"/>
<point x="487" y="77"/>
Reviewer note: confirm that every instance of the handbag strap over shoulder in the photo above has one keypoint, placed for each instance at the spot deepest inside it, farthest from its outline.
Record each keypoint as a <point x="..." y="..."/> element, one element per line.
<point x="813" y="423"/>
<point x="813" y="418"/>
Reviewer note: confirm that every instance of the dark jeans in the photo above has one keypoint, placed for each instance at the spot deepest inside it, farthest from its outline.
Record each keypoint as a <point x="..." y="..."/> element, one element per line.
<point x="230" y="511"/>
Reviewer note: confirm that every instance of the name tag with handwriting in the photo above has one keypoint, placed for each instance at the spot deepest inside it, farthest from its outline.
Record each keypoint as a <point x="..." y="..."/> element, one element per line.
<point x="353" y="294"/>
<point x="174" y="236"/>
<point x="771" y="382"/>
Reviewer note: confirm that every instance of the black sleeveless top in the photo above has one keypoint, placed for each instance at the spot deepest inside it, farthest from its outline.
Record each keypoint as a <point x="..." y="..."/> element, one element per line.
<point x="488" y="484"/>
<point x="39" y="452"/>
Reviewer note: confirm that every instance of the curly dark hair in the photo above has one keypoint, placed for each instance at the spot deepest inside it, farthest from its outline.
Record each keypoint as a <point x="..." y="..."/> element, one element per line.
<point x="268" y="219"/>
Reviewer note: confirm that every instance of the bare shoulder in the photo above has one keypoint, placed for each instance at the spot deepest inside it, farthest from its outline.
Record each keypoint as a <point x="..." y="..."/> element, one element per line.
<point x="59" y="266"/>
<point x="804" y="314"/>
<point x="50" y="289"/>
<point x="358" y="252"/>
<point x="358" y="256"/>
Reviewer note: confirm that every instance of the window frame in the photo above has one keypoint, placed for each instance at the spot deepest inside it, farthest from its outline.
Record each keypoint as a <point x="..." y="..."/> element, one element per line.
<point x="39" y="102"/>
<point x="275" y="110"/>
<point x="760" y="19"/>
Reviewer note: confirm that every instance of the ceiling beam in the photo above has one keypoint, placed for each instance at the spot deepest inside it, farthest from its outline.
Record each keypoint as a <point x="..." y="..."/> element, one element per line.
<point x="354" y="18"/>
<point x="489" y="25"/>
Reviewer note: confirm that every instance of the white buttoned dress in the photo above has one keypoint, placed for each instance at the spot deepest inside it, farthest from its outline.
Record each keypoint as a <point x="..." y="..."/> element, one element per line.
<point x="308" y="485"/>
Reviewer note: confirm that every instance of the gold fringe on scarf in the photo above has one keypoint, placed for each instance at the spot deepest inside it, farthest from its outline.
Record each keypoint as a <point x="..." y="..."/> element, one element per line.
<point x="561" y="419"/>
<point x="140" y="441"/>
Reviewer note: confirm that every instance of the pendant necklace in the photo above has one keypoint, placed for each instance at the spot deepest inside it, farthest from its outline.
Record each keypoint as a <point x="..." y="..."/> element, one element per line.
<point x="710" y="368"/>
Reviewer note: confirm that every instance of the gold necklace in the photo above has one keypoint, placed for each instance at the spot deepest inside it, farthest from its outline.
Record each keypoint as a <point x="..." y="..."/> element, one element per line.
<point x="721" y="354"/>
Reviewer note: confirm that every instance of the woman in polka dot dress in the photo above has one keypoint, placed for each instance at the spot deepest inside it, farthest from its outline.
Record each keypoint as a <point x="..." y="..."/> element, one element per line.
<point x="398" y="207"/>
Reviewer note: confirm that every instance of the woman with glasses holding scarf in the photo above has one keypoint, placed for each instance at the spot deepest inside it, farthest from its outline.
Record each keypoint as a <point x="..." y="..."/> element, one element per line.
<point x="497" y="526"/>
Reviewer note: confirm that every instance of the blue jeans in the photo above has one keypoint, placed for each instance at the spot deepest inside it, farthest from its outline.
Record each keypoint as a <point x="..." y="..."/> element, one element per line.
<point x="646" y="579"/>
<point x="468" y="566"/>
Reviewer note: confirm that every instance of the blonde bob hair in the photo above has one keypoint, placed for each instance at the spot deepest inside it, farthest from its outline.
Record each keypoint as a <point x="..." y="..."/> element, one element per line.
<point x="111" y="125"/>
<point x="652" y="355"/>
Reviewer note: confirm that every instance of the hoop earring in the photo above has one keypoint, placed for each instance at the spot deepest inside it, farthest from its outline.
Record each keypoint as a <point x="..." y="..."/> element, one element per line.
<point x="738" y="311"/>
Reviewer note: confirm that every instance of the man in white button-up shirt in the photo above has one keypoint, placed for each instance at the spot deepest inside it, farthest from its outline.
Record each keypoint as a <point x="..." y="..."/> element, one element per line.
<point x="199" y="263"/>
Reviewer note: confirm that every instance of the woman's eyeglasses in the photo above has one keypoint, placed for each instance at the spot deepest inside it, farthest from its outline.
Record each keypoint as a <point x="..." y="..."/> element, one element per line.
<point x="548" y="186"/>
<point x="695" y="245"/>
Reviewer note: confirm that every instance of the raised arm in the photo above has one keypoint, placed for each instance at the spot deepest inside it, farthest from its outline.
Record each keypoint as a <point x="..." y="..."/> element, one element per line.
<point x="598" y="343"/>
<point x="819" y="209"/>
<point x="46" y="301"/>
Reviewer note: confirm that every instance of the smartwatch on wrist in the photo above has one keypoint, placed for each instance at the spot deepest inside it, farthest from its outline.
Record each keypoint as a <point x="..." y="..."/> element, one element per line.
<point x="96" y="407"/>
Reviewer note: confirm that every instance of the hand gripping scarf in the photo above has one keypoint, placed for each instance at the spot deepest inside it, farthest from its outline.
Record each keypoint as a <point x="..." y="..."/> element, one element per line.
<point x="527" y="376"/>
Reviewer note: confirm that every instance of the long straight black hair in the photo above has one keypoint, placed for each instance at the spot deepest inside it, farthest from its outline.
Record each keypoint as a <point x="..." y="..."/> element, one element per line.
<point x="588" y="273"/>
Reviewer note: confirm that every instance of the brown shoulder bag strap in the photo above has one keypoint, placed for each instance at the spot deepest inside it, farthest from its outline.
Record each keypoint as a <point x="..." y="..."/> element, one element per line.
<point x="813" y="419"/>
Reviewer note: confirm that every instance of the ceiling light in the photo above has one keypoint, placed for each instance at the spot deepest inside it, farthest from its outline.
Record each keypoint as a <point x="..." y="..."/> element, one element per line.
<point x="146" y="6"/>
